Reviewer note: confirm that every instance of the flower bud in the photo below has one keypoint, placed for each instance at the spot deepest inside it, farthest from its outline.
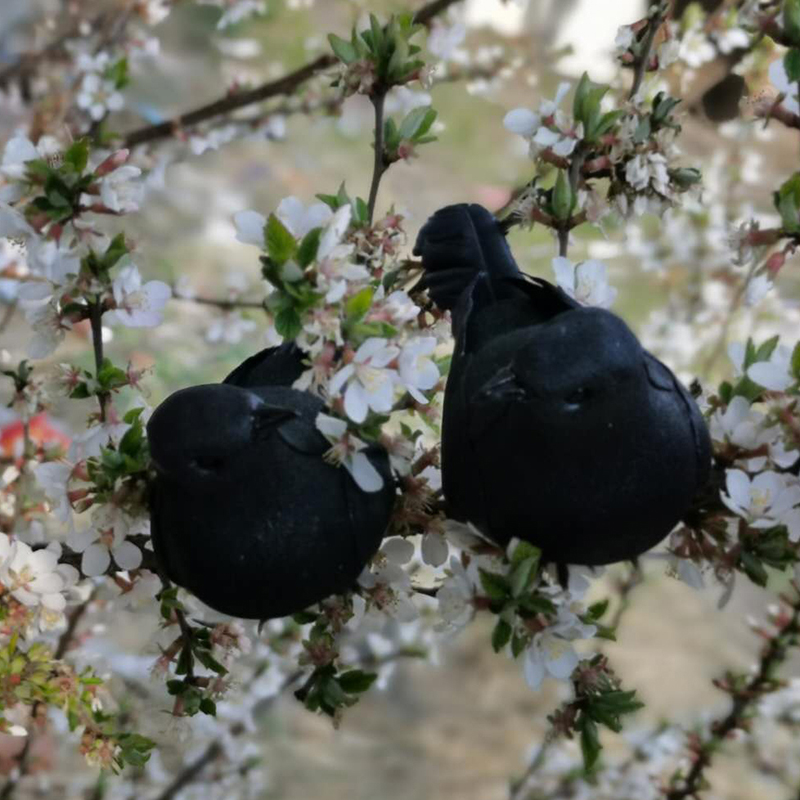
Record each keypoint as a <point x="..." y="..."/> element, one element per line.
<point x="563" y="198"/>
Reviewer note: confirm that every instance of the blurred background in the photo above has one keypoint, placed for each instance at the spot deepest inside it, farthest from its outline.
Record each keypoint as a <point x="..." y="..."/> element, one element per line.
<point x="460" y="730"/>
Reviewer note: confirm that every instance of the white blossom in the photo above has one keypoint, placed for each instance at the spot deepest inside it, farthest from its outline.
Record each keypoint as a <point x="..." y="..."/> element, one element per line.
<point x="774" y="374"/>
<point x="551" y="652"/>
<point x="767" y="500"/>
<point x="98" y="96"/>
<point x="230" y="327"/>
<point x="740" y="425"/>
<point x="137" y="305"/>
<point x="586" y="282"/>
<point x="417" y="371"/>
<point x="250" y="227"/>
<point x="19" y="150"/>
<point x="347" y="450"/>
<point x="757" y="289"/>
<point x="120" y="191"/>
<point x="696" y="49"/>
<point x="370" y="383"/>
<point x="300" y="220"/>
<point x="648" y="170"/>
<point x="546" y="129"/>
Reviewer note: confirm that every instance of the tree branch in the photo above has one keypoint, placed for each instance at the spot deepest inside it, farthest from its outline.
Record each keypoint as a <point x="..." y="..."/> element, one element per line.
<point x="286" y="85"/>
<point x="641" y="63"/>
<point x="282" y="86"/>
<point x="379" y="163"/>
<point x="764" y="681"/>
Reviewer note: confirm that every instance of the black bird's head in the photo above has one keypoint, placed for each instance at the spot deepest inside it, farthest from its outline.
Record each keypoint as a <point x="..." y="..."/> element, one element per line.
<point x="196" y="433"/>
<point x="579" y="359"/>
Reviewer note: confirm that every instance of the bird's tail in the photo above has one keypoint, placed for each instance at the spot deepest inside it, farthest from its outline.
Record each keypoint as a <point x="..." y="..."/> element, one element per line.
<point x="455" y="244"/>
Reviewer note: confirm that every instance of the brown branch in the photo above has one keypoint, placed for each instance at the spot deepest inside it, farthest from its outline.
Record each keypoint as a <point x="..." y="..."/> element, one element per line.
<point x="764" y="681"/>
<point x="226" y="305"/>
<point x="379" y="162"/>
<point x="285" y="85"/>
<point x="643" y="59"/>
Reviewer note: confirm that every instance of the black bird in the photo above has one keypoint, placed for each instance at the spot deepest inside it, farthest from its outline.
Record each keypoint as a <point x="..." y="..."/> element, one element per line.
<point x="245" y="512"/>
<point x="559" y="428"/>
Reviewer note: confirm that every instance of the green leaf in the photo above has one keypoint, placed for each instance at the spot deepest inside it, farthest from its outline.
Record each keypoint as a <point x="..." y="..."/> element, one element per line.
<point x="787" y="203"/>
<point x="377" y="34"/>
<point x="330" y="200"/>
<point x="501" y="635"/>
<point x="791" y="63"/>
<point x="176" y="687"/>
<point x="417" y="122"/>
<point x="564" y="198"/>
<point x="288" y="323"/>
<point x="304" y="617"/>
<point x="307" y="251"/>
<point x="753" y="568"/>
<point x="796" y="361"/>
<point x="590" y="743"/>
<point x="115" y="251"/>
<point x="209" y="662"/>
<point x="495" y="586"/>
<point x="524" y="550"/>
<point x="356" y="681"/>
<point x="361" y="212"/>
<point x="597" y="610"/>
<point x="281" y="245"/>
<point x="765" y="351"/>
<point x="358" y="305"/>
<point x="343" y="50"/>
<point x="523" y="575"/>
<point x="791" y="21"/>
<point x="208" y="706"/>
<point x="518" y="645"/>
<point x="77" y="155"/>
<point x="117" y="73"/>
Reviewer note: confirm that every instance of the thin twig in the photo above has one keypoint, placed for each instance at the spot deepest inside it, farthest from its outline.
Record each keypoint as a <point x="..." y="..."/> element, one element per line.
<point x="642" y="62"/>
<point x="226" y="305"/>
<point x="96" y="319"/>
<point x="379" y="165"/>
<point x="763" y="681"/>
<point x="285" y="85"/>
<point x="624" y="588"/>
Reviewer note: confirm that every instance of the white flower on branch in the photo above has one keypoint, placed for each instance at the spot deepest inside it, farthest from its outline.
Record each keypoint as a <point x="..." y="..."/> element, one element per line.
<point x="300" y="220"/>
<point x="551" y="651"/>
<point x="120" y="191"/>
<point x="35" y="578"/>
<point x="137" y="305"/>
<point x="20" y="150"/>
<point x="549" y="128"/>
<point x="387" y="584"/>
<point x="53" y="477"/>
<point x="696" y="49"/>
<point x="98" y="96"/>
<point x="12" y="224"/>
<point x="757" y="289"/>
<point x="740" y="425"/>
<point x="49" y="329"/>
<point x="250" y="227"/>
<point x="368" y="380"/>
<point x="648" y="170"/>
<point x="418" y="372"/>
<point x="769" y="499"/>
<point x="347" y="450"/>
<point x="586" y="282"/>
<point x="106" y="538"/>
<point x="775" y="374"/>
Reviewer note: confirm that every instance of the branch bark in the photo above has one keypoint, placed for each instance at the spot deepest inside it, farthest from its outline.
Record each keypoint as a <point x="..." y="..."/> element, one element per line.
<point x="283" y="86"/>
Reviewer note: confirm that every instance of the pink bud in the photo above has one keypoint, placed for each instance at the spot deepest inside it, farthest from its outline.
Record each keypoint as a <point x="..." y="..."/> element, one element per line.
<point x="775" y="262"/>
<point x="115" y="160"/>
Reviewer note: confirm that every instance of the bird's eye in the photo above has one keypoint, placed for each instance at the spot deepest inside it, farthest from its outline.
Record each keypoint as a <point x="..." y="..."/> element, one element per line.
<point x="208" y="463"/>
<point x="578" y="396"/>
